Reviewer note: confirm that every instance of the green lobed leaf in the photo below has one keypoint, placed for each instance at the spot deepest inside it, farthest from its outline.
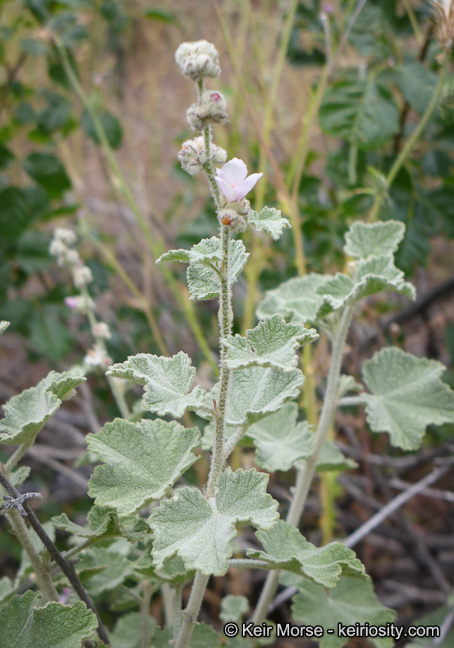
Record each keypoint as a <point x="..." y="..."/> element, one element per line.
<point x="417" y="84"/>
<point x="296" y="299"/>
<point x="109" y="569"/>
<point x="372" y="276"/>
<point x="286" y="549"/>
<point x="200" y="531"/>
<point x="406" y="396"/>
<point x="167" y="382"/>
<point x="373" y="239"/>
<point x="47" y="171"/>
<point x="255" y="392"/>
<point x="128" y="631"/>
<point x="204" y="636"/>
<point x="233" y="608"/>
<point x="208" y="252"/>
<point x="362" y="112"/>
<point x="53" y="626"/>
<point x="269" y="220"/>
<point x="280" y="440"/>
<point x="272" y="342"/>
<point x="103" y="521"/>
<point x="204" y="281"/>
<point x="6" y="588"/>
<point x="331" y="458"/>
<point x="28" y="412"/>
<point x="351" y="601"/>
<point x="142" y="460"/>
<point x="435" y="618"/>
<point x="19" y="475"/>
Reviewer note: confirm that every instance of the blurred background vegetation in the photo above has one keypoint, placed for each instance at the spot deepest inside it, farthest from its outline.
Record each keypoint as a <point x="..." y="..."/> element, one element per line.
<point x="323" y="98"/>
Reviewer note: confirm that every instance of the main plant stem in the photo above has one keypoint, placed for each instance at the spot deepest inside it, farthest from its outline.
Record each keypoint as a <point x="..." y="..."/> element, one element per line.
<point x="218" y="457"/>
<point x="306" y="474"/>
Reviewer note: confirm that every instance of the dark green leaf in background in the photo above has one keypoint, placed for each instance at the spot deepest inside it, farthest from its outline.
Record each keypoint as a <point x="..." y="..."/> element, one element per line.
<point x="110" y="124"/>
<point x="47" y="170"/>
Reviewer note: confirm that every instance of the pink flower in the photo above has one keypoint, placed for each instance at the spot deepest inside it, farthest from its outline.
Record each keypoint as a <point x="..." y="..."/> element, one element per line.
<point x="233" y="181"/>
<point x="72" y="302"/>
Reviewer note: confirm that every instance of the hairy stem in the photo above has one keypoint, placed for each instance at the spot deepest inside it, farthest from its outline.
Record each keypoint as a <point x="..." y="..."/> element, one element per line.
<point x="43" y="578"/>
<point x="306" y="474"/>
<point x="17" y="456"/>
<point x="145" y="613"/>
<point x="217" y="458"/>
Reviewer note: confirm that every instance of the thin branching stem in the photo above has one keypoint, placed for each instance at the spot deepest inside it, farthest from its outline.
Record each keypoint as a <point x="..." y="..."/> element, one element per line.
<point x="66" y="566"/>
<point x="305" y="475"/>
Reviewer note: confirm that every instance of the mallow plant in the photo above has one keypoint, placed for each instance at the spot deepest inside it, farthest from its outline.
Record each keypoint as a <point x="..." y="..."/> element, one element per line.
<point x="149" y="533"/>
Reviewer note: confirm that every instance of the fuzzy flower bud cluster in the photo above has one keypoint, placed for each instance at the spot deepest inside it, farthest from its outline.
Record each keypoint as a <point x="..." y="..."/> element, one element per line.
<point x="193" y="157"/>
<point x="69" y="258"/>
<point x="198" y="60"/>
<point x="210" y="109"/>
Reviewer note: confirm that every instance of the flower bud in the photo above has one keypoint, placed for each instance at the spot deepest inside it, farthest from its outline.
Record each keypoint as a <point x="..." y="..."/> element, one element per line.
<point x="211" y="109"/>
<point x="242" y="207"/>
<point x="233" y="220"/>
<point x="57" y="248"/>
<point x="193" y="156"/>
<point x="101" y="330"/>
<point x="79" y="303"/>
<point x="198" y="60"/>
<point x="65" y="235"/>
<point x="82" y="276"/>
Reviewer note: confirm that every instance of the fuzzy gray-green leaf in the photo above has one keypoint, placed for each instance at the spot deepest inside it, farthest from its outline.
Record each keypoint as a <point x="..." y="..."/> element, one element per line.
<point x="208" y="251"/>
<point x="285" y="548"/>
<point x="296" y="299"/>
<point x="142" y="460"/>
<point x="28" y="412"/>
<point x="351" y="601"/>
<point x="373" y="239"/>
<point x="204" y="280"/>
<point x="200" y="532"/>
<point x="280" y="440"/>
<point x="53" y="626"/>
<point x="255" y="392"/>
<point x="167" y="382"/>
<point x="269" y="220"/>
<point x="406" y="396"/>
<point x="272" y="342"/>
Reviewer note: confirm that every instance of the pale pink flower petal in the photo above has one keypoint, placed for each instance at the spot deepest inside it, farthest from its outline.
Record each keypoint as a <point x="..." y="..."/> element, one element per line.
<point x="235" y="170"/>
<point x="250" y="182"/>
<point x="230" y="193"/>
<point x="232" y="180"/>
<point x="72" y="302"/>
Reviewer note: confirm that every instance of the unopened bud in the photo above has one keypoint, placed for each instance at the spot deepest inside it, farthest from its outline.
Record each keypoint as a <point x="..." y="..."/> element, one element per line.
<point x="79" y="303"/>
<point x="101" y="330"/>
<point x="211" y="109"/>
<point x="198" y="60"/>
<point x="82" y="276"/>
<point x="65" y="235"/>
<point x="233" y="220"/>
<point x="193" y="155"/>
<point x="242" y="207"/>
